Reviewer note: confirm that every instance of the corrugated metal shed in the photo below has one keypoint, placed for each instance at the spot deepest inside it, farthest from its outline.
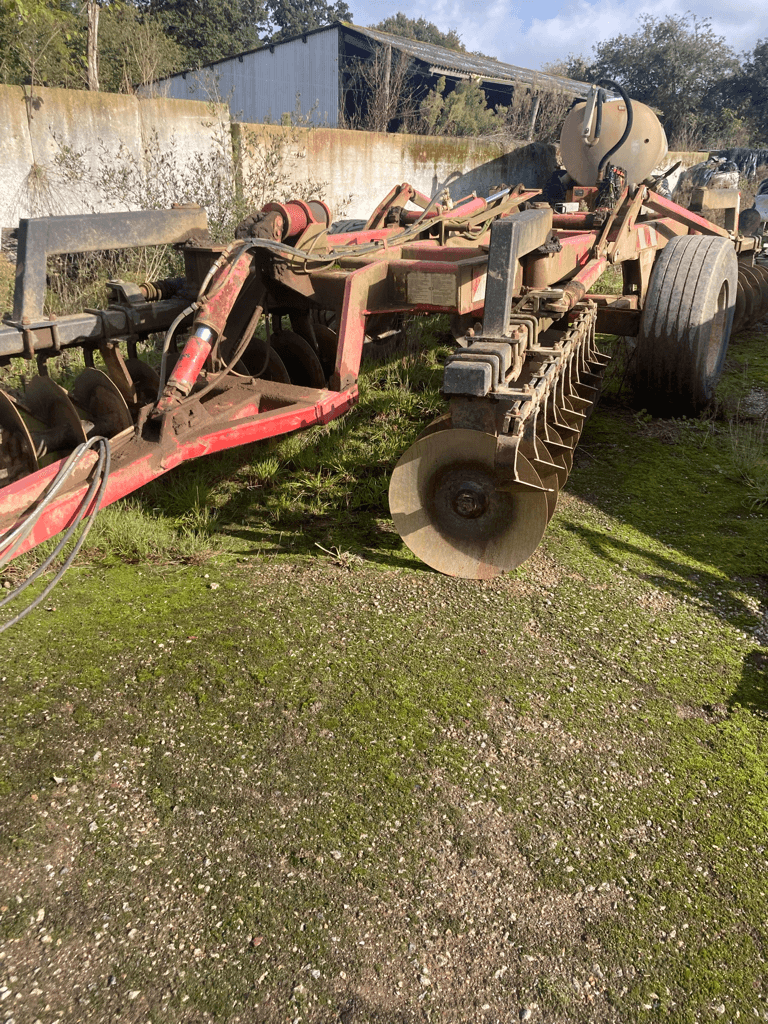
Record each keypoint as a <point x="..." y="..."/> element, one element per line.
<point x="306" y="73"/>
<point x="299" y="74"/>
<point x="442" y="61"/>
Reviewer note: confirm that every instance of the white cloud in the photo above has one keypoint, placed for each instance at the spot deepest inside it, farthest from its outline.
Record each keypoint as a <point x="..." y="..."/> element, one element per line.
<point x="502" y="29"/>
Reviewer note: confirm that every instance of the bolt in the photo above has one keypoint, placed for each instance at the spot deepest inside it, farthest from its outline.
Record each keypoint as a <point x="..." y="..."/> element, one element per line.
<point x="469" y="502"/>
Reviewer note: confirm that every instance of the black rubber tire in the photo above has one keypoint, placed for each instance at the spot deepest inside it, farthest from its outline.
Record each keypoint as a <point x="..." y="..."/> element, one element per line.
<point x="686" y="324"/>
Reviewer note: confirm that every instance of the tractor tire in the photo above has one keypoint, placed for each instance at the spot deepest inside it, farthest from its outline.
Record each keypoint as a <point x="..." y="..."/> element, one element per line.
<point x="685" y="325"/>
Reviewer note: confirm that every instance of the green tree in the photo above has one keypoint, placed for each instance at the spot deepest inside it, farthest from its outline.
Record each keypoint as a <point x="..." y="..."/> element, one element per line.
<point x="292" y="17"/>
<point x="420" y="29"/>
<point x="463" y="111"/>
<point x="676" y="64"/>
<point x="574" y="66"/>
<point x="747" y="92"/>
<point x="134" y="49"/>
<point x="207" y="30"/>
<point x="42" y="42"/>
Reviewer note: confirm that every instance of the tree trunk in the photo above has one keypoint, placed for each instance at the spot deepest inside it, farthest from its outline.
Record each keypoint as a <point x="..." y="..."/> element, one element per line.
<point x="534" y="112"/>
<point x="92" y="55"/>
<point x="387" y="76"/>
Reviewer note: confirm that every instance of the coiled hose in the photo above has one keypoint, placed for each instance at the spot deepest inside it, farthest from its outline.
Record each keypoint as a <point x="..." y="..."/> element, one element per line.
<point x="11" y="541"/>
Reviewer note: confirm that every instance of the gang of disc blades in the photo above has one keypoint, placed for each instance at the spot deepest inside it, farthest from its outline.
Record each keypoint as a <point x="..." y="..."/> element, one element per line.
<point x="562" y="459"/>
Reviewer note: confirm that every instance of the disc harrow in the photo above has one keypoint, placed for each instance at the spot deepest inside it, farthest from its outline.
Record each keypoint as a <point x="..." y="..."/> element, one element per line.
<point x="265" y="336"/>
<point x="475" y="502"/>
<point x="751" y="295"/>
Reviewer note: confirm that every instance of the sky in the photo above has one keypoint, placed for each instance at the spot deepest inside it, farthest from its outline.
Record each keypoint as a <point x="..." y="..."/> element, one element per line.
<point x="531" y="33"/>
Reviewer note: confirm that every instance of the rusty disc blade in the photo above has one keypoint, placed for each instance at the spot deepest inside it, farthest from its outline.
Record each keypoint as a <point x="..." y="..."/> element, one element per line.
<point x="145" y="380"/>
<point x="441" y="423"/>
<point x="100" y="398"/>
<point x="17" y="450"/>
<point x="328" y="343"/>
<point x="300" y="359"/>
<point x="548" y="475"/>
<point x="50" y="403"/>
<point x="761" y="273"/>
<point x="566" y="437"/>
<point x="740" y="309"/>
<point x="571" y="418"/>
<point x="448" y="506"/>
<point x="750" y="285"/>
<point x="263" y="364"/>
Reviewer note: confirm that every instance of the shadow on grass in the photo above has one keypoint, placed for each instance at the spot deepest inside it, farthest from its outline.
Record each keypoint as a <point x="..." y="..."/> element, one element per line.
<point x="676" y="484"/>
<point x="327" y="485"/>
<point x="705" y="588"/>
<point x="752" y="691"/>
<point x="669" y="481"/>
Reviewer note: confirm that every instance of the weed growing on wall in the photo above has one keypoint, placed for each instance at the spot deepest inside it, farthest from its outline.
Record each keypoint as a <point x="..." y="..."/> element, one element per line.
<point x="229" y="181"/>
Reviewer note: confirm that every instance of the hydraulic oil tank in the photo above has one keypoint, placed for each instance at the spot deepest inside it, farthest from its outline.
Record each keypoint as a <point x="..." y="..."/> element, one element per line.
<point x="592" y="129"/>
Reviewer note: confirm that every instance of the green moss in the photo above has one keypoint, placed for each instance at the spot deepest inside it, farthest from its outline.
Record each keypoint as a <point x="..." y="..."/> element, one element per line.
<point x="358" y="757"/>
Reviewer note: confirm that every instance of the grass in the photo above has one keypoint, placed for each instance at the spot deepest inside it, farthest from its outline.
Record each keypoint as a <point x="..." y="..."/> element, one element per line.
<point x="7" y="280"/>
<point x="259" y="764"/>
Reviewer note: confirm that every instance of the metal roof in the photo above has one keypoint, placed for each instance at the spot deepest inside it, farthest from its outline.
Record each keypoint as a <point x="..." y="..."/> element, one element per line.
<point x="443" y="61"/>
<point x="439" y="60"/>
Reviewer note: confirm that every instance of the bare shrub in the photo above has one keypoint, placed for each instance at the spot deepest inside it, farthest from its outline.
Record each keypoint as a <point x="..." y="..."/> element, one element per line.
<point x="382" y="89"/>
<point x="551" y="108"/>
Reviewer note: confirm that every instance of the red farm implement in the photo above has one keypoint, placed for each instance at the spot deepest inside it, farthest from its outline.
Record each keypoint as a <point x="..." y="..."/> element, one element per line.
<point x="472" y="496"/>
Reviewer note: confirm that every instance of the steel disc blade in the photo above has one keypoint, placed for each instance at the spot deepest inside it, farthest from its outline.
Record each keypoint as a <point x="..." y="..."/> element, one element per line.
<point x="17" y="450"/>
<point x="750" y="284"/>
<point x="99" y="396"/>
<point x="441" y="423"/>
<point x="762" y="276"/>
<point x="447" y="505"/>
<point x="50" y="403"/>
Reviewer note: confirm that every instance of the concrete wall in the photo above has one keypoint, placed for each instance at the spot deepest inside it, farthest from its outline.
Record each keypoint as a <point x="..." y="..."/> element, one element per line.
<point x="359" y="168"/>
<point x="65" y="151"/>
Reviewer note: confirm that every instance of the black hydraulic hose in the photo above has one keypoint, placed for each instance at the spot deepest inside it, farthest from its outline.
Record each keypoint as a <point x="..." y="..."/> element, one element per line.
<point x="100" y="478"/>
<point x="609" y="84"/>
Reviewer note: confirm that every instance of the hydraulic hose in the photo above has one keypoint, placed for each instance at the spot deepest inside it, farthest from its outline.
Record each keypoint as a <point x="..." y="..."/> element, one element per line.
<point x="610" y="84"/>
<point x="94" y="495"/>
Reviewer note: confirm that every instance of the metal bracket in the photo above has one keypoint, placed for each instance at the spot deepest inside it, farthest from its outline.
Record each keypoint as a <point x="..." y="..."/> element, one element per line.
<point x="511" y="238"/>
<point x="42" y="237"/>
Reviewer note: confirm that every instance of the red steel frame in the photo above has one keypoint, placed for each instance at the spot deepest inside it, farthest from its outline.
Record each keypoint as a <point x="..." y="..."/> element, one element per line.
<point x="396" y="279"/>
